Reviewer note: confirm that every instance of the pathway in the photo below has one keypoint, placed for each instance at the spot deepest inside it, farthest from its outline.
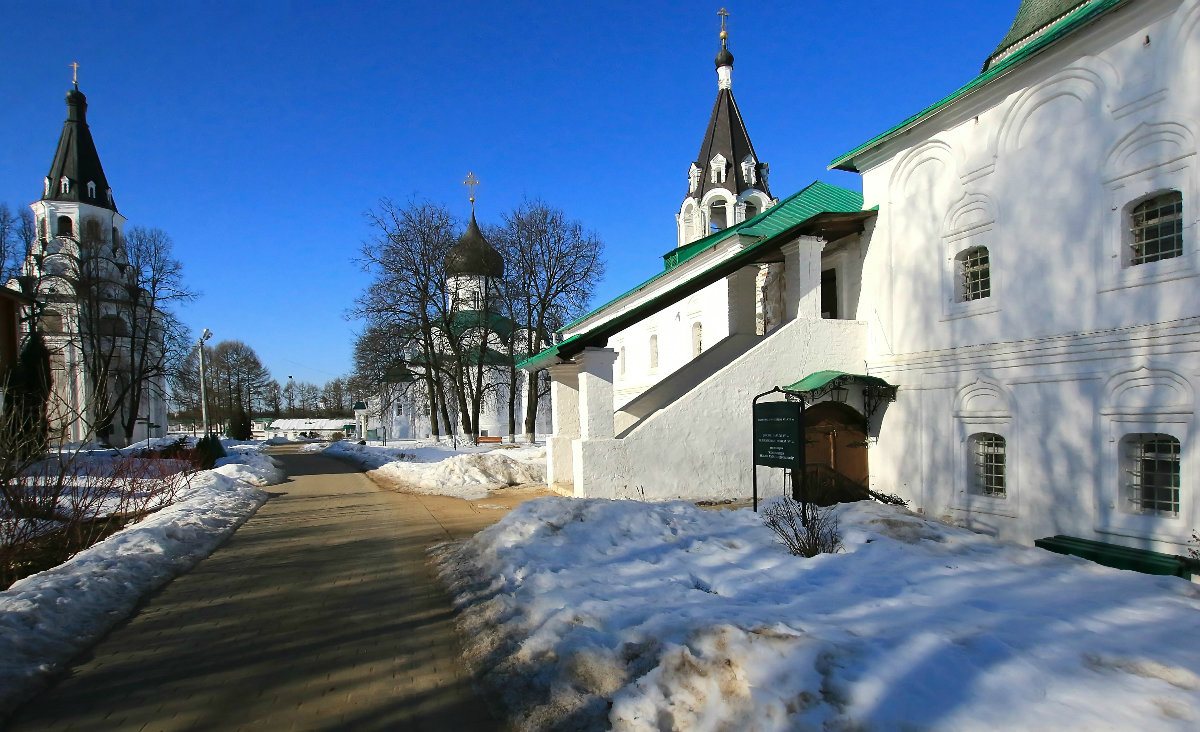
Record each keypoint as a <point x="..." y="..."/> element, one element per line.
<point x="320" y="613"/>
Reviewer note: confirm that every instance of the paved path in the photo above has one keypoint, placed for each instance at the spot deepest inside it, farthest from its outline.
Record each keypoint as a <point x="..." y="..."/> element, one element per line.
<point x="320" y="613"/>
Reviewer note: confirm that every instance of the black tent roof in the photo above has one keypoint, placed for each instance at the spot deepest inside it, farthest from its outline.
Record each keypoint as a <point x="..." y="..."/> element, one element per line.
<point x="77" y="160"/>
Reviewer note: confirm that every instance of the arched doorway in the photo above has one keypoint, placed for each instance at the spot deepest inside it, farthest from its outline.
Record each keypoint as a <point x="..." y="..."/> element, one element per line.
<point x="835" y="453"/>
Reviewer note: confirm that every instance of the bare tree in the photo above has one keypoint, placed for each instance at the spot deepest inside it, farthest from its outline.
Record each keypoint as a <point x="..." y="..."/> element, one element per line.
<point x="405" y="305"/>
<point x="552" y="269"/>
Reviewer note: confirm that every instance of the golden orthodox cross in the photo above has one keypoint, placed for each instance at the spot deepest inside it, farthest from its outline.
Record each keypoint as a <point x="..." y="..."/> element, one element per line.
<point x="75" y="73"/>
<point x="470" y="183"/>
<point x="724" y="14"/>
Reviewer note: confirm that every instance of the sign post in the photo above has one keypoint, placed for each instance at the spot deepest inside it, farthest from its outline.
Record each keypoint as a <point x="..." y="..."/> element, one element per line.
<point x="778" y="437"/>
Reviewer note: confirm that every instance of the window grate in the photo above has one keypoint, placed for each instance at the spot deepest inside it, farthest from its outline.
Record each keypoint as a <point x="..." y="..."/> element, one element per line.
<point x="989" y="452"/>
<point x="1154" y="475"/>
<point x="976" y="272"/>
<point x="1158" y="228"/>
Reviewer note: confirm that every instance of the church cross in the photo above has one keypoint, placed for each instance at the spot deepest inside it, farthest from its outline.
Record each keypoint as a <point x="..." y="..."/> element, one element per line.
<point x="75" y="73"/>
<point x="470" y="183"/>
<point x="724" y="14"/>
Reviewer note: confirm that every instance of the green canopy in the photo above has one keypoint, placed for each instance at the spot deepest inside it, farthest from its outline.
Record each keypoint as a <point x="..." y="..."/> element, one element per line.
<point x="821" y="379"/>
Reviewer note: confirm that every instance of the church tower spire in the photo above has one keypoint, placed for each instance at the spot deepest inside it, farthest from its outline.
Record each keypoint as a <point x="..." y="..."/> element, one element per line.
<point x="727" y="183"/>
<point x="77" y="201"/>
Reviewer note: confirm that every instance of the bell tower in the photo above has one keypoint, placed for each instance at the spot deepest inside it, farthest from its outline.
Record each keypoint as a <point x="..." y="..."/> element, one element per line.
<point x="77" y="202"/>
<point x="726" y="183"/>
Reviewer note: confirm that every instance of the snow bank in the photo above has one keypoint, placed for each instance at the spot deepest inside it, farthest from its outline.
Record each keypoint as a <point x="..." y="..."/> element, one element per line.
<point x="592" y="614"/>
<point x="48" y="618"/>
<point x="468" y="472"/>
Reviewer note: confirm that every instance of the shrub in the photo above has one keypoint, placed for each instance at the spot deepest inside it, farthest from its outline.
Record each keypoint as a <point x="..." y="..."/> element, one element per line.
<point x="208" y="451"/>
<point x="804" y="528"/>
<point x="240" y="427"/>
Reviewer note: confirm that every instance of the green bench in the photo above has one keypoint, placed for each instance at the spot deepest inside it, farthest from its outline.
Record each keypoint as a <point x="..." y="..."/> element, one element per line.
<point x="1121" y="557"/>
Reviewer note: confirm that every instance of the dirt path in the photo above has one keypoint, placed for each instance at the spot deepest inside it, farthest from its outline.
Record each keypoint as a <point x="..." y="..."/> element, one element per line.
<point x="321" y="613"/>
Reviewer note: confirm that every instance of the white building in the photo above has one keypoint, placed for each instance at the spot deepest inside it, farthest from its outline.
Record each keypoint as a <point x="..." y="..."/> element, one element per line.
<point x="476" y="338"/>
<point x="81" y="278"/>
<point x="1022" y="265"/>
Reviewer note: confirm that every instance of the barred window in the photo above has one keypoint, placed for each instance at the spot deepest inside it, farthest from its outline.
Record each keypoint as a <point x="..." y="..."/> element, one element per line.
<point x="1157" y="228"/>
<point x="988" y="451"/>
<point x="974" y="274"/>
<point x="1152" y="463"/>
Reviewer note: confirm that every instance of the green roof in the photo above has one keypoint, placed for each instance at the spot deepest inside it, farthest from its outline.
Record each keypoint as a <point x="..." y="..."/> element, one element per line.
<point x="795" y="209"/>
<point x="818" y="197"/>
<point x="1074" y="20"/>
<point x="819" y="379"/>
<point x="1032" y="16"/>
<point x="815" y="199"/>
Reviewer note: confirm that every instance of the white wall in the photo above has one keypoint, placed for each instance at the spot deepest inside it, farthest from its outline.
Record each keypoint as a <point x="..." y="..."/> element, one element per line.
<point x="700" y="445"/>
<point x="1041" y="168"/>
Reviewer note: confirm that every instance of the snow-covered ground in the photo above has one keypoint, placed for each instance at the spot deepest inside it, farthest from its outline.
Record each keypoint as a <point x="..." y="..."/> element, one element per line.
<point x="49" y="617"/>
<point x="593" y="614"/>
<point x="431" y="467"/>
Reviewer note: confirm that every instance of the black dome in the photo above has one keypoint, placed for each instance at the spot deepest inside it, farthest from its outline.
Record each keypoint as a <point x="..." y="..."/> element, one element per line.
<point x="724" y="57"/>
<point x="472" y="255"/>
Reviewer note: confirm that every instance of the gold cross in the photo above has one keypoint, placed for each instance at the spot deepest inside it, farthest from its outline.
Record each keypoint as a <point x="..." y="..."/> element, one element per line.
<point x="471" y="182"/>
<point x="75" y="73"/>
<point x="724" y="14"/>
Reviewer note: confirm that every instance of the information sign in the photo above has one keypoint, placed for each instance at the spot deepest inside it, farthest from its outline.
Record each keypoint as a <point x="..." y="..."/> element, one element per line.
<point x="777" y="434"/>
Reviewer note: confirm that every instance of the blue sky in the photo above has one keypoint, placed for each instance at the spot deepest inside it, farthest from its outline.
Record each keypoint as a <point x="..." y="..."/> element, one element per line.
<point x="257" y="134"/>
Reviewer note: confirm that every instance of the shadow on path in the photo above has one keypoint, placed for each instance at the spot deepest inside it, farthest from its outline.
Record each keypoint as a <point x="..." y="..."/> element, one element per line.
<point x="321" y="613"/>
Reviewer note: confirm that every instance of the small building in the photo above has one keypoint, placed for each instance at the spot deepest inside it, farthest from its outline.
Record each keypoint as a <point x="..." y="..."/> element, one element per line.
<point x="310" y="428"/>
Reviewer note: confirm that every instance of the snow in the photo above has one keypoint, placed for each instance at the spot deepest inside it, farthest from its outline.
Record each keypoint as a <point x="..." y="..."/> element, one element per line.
<point x="48" y="618"/>
<point x="623" y="615"/>
<point x="432" y="467"/>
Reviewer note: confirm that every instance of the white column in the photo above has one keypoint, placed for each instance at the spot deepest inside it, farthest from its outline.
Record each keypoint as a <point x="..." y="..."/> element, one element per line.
<point x="741" y="299"/>
<point x="564" y="412"/>
<point x="596" y="415"/>
<point x="802" y="277"/>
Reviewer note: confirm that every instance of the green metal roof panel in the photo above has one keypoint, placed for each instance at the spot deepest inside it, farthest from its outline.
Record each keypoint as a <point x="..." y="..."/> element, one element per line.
<point x="1074" y="20"/>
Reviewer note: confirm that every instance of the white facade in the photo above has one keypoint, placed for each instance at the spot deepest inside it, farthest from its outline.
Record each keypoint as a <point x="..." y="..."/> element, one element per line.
<point x="1047" y="357"/>
<point x="1076" y="349"/>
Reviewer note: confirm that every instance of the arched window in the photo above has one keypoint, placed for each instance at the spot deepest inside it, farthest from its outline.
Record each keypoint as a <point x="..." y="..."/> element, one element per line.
<point x="116" y="239"/>
<point x="988" y="459"/>
<point x="717" y="219"/>
<point x="654" y="351"/>
<point x="1152" y="464"/>
<point x="43" y="228"/>
<point x="751" y="210"/>
<point x="64" y="185"/>
<point x="91" y="189"/>
<point x="92" y="227"/>
<point x="697" y="339"/>
<point x="974" y="270"/>
<point x="112" y="325"/>
<point x="65" y="227"/>
<point x="1156" y="225"/>
<point x="50" y="321"/>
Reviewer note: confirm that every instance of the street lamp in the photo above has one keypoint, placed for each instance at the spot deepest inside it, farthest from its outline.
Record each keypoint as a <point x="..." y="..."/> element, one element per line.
<point x="204" y="336"/>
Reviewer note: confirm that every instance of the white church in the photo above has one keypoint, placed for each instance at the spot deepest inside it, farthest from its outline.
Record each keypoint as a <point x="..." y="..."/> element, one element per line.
<point x="1003" y="329"/>
<point x="80" y="277"/>
<point x="482" y="334"/>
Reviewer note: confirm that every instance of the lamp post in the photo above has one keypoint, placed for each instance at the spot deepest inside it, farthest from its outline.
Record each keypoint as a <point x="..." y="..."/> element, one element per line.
<point x="203" y="386"/>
